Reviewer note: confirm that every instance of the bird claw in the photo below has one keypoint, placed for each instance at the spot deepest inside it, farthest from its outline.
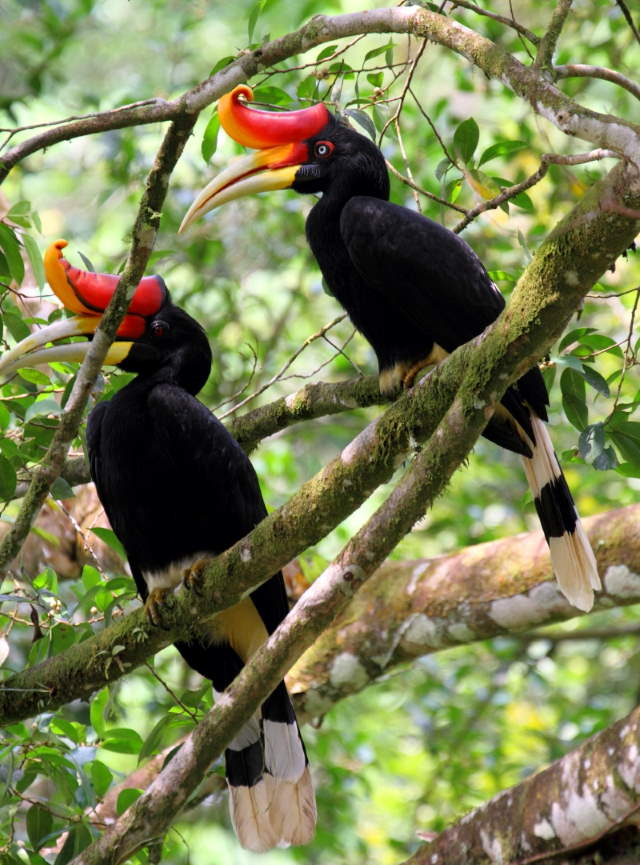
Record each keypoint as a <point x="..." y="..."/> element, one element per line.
<point x="192" y="579"/>
<point x="158" y="601"/>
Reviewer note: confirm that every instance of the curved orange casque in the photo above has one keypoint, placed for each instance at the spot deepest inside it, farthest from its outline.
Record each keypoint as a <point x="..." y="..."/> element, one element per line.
<point x="88" y="293"/>
<point x="258" y="129"/>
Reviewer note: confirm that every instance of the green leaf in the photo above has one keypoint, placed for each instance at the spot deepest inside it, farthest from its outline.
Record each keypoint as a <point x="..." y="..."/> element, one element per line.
<point x="465" y="138"/>
<point x="61" y="489"/>
<point x="11" y="248"/>
<point x="524" y="201"/>
<point x="375" y="78"/>
<point x="34" y="376"/>
<point x="101" y="778"/>
<point x="362" y="120"/>
<point x="62" y="636"/>
<point x="109" y="537"/>
<point x="8" y="479"/>
<point x="377" y="52"/>
<point x="47" y="579"/>
<point x="15" y="323"/>
<point x="157" y="737"/>
<point x="41" y="407"/>
<point x="574" y="398"/>
<point x="596" y="381"/>
<point x="591" y="441"/>
<point x="78" y="838"/>
<point x="62" y="727"/>
<point x="626" y="437"/>
<point x="574" y="335"/>
<point x="39" y="825"/>
<point x="327" y="51"/>
<point x="210" y="137"/>
<point x="122" y="740"/>
<point x="501" y="148"/>
<point x="606" y="460"/>
<point x="126" y="798"/>
<point x="253" y="17"/>
<point x="97" y="708"/>
<point x="224" y="61"/>
<point x="271" y="95"/>
<point x="628" y="470"/>
<point x="35" y="257"/>
<point x="307" y="88"/>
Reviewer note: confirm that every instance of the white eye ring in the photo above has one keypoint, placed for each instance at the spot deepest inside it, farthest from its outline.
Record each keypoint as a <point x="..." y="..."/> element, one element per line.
<point x="323" y="149"/>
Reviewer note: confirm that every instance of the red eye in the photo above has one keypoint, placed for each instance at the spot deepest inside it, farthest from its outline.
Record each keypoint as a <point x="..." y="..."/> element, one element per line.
<point x="159" y="328"/>
<point x="322" y="149"/>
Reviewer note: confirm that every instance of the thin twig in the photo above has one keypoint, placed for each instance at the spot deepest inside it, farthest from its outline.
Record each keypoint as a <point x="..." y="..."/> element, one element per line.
<point x="547" y="45"/>
<point x="510" y="22"/>
<point x="545" y="161"/>
<point x="584" y="70"/>
<point x="286" y="366"/>
<point x="629" y="358"/>
<point x="629" y="19"/>
<point x="423" y="191"/>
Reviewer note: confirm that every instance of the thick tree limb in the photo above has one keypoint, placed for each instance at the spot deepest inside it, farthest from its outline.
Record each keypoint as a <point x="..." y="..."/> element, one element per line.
<point x="409" y="609"/>
<point x="573" y="803"/>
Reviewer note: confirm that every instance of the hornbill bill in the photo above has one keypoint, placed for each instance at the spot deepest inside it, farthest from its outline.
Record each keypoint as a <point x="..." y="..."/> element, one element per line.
<point x="414" y="289"/>
<point x="177" y="488"/>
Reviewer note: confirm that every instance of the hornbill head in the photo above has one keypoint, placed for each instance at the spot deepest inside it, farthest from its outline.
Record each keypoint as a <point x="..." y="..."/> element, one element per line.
<point x="153" y="335"/>
<point x="309" y="150"/>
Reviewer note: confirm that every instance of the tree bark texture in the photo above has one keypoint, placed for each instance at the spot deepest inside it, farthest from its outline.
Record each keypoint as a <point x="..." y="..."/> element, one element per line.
<point x="408" y="609"/>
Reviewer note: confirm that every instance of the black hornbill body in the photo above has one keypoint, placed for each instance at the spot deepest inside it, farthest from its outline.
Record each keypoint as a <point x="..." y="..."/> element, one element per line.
<point x="413" y="288"/>
<point x="177" y="488"/>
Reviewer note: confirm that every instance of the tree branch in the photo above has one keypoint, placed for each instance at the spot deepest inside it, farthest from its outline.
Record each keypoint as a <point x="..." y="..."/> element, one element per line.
<point x="602" y="130"/>
<point x="547" y="46"/>
<point x="573" y="803"/>
<point x="583" y="70"/>
<point x="487" y="590"/>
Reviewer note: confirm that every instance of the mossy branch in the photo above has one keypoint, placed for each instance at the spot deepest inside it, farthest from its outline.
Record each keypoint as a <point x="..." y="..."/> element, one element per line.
<point x="486" y="590"/>
<point x="551" y="816"/>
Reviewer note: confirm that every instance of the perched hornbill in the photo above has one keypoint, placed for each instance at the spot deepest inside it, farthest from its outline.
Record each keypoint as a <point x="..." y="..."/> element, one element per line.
<point x="413" y="288"/>
<point x="177" y="488"/>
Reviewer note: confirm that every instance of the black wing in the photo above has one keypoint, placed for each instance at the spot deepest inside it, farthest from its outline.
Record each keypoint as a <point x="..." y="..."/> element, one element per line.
<point x="424" y="269"/>
<point x="175" y="483"/>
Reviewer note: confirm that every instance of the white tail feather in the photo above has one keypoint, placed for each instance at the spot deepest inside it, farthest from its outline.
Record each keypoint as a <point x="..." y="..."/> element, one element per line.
<point x="283" y="752"/>
<point x="251" y="810"/>
<point x="572" y="558"/>
<point x="293" y="809"/>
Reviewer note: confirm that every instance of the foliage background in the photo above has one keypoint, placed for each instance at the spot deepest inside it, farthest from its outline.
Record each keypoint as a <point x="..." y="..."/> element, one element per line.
<point x="429" y="742"/>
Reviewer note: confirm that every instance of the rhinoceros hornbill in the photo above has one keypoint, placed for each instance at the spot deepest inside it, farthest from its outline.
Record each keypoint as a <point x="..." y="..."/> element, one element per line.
<point x="413" y="288"/>
<point x="177" y="488"/>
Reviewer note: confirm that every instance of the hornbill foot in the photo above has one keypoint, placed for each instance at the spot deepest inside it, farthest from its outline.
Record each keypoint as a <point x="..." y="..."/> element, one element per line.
<point x="158" y="601"/>
<point x="409" y="377"/>
<point x="192" y="579"/>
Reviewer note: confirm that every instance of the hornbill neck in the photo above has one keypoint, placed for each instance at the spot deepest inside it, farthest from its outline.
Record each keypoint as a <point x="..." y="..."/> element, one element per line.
<point x="186" y="367"/>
